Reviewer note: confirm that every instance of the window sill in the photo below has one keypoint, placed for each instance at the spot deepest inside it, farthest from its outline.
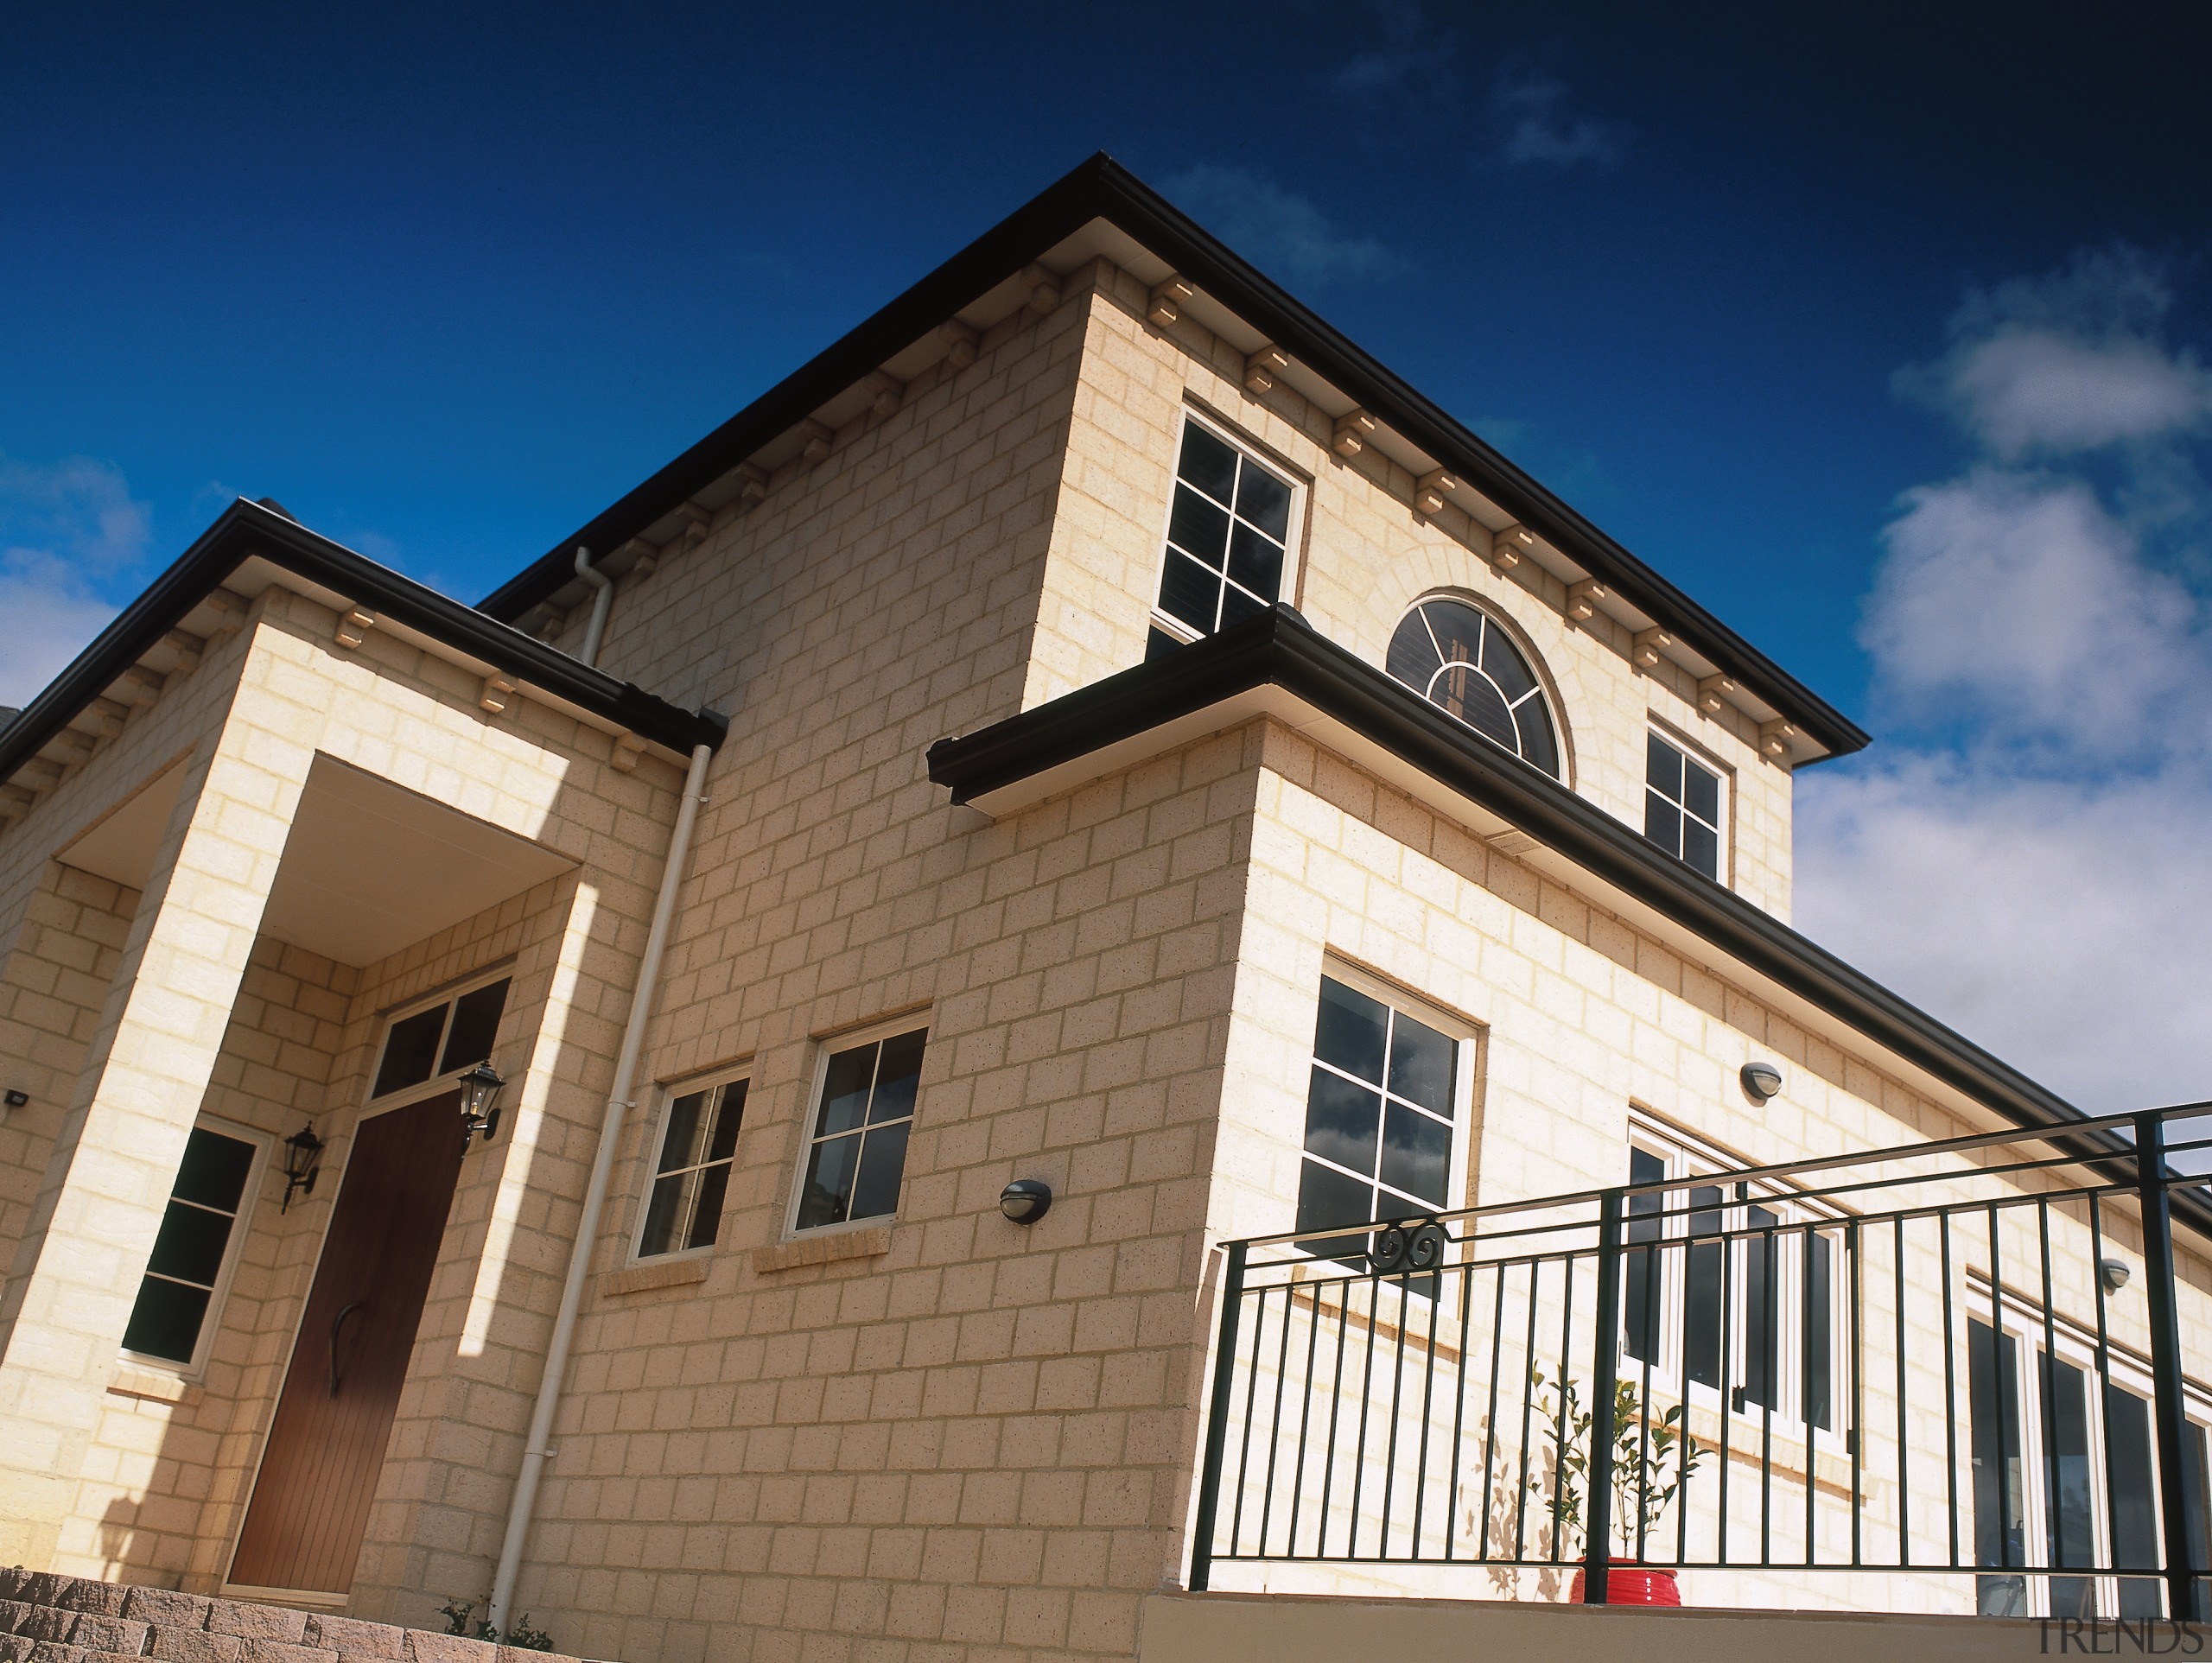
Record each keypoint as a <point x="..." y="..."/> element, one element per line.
<point x="641" y="1278"/>
<point x="822" y="1249"/>
<point x="154" y="1385"/>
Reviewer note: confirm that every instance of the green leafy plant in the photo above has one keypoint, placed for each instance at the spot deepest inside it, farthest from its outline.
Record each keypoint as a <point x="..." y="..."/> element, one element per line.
<point x="1653" y="1457"/>
<point x="520" y="1635"/>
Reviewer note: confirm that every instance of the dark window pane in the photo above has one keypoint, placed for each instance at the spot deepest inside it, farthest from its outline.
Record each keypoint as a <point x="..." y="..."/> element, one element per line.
<point x="1264" y="500"/>
<point x="2000" y="1486"/>
<point x="728" y="1118"/>
<point x="1644" y="1270"/>
<point x="1416" y="1153"/>
<point x="2069" y="1516"/>
<point x="1208" y="463"/>
<point x="1701" y="848"/>
<point x="1190" y="592"/>
<point x="1412" y="658"/>
<point x="1503" y="663"/>
<point x="828" y="1183"/>
<point x="213" y="1170"/>
<point x="1701" y="792"/>
<point x="664" y="1211"/>
<point x="1704" y="1286"/>
<point x="1762" y="1311"/>
<point x="1327" y="1199"/>
<point x="2134" y="1498"/>
<point x="165" y="1323"/>
<point x="707" y="1213"/>
<point x="1421" y="1065"/>
<point x="1237" y="607"/>
<point x="1255" y="562"/>
<point x="1197" y="528"/>
<point x="898" y="1076"/>
<point x="1662" y="767"/>
<point x="883" y="1160"/>
<point x="1539" y="745"/>
<point x="1467" y="694"/>
<point x="1662" y="823"/>
<point x="475" y="1025"/>
<point x="1342" y="1121"/>
<point x="845" y="1089"/>
<point x="1459" y="631"/>
<point x="190" y="1245"/>
<point x="1351" y="1030"/>
<point x="1158" y="643"/>
<point x="680" y="1147"/>
<point x="2196" y="1492"/>
<point x="1820" y="1283"/>
<point x="410" y="1051"/>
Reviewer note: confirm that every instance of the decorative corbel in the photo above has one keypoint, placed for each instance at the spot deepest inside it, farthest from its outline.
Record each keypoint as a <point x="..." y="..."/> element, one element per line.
<point x="354" y="626"/>
<point x="1355" y="428"/>
<point x="1168" y="299"/>
<point x="1714" y="692"/>
<point x="188" y="649"/>
<point x="697" y="522"/>
<point x="1433" y="489"/>
<point x="230" y="612"/>
<point x="645" y="559"/>
<point x="498" y="693"/>
<point x="1509" y="545"/>
<point x="961" y="343"/>
<point x="1778" y="741"/>
<point x="752" y="485"/>
<point x="1583" y="599"/>
<point x="137" y="685"/>
<point x="885" y="393"/>
<point x="817" y="440"/>
<point x="628" y="747"/>
<point x="1262" y="368"/>
<point x="1044" y="289"/>
<point x="1648" y="647"/>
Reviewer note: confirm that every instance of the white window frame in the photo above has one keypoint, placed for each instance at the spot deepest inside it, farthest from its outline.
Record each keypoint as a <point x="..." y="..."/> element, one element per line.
<point x="1165" y="622"/>
<point x="1695" y="755"/>
<point x="448" y="995"/>
<point x="1689" y="1161"/>
<point x="1464" y="1035"/>
<point x="219" y="1294"/>
<point x="669" y="1092"/>
<point x="852" y="1040"/>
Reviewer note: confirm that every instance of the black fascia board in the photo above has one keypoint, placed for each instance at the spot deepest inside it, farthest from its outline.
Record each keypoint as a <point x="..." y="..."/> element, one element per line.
<point x="246" y="529"/>
<point x="1101" y="189"/>
<point x="1280" y="649"/>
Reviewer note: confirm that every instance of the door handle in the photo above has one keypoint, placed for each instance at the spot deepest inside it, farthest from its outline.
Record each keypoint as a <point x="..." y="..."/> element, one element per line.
<point x="337" y="1324"/>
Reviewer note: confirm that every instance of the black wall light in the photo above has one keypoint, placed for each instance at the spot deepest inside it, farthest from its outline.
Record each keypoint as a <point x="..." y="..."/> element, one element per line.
<point x="1025" y="1200"/>
<point x="480" y="1094"/>
<point x="1762" y="1081"/>
<point x="16" y="1099"/>
<point x="303" y="1160"/>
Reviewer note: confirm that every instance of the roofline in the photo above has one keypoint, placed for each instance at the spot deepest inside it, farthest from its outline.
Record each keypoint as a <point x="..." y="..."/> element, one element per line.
<point x="1280" y="649"/>
<point x="245" y="530"/>
<point x="1102" y="189"/>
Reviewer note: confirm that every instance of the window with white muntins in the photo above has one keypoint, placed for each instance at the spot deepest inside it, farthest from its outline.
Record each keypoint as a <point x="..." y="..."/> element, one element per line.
<point x="856" y="1143"/>
<point x="173" y="1319"/>
<point x="1228" y="540"/>
<point x="1683" y="811"/>
<point x="690" y="1176"/>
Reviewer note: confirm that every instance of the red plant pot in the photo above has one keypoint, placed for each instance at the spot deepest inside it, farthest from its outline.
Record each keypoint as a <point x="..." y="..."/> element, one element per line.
<point x="1629" y="1583"/>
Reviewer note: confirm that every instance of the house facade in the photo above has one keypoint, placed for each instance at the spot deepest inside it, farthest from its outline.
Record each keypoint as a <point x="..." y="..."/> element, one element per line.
<point x="1091" y="726"/>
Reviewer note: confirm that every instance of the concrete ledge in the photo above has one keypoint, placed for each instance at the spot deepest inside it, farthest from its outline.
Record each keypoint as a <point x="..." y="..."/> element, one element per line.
<point x="822" y="1249"/>
<point x="1302" y="1628"/>
<point x="641" y="1278"/>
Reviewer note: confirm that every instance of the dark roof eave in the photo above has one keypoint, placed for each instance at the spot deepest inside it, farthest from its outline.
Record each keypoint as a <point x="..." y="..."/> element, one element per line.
<point x="1102" y="189"/>
<point x="245" y="530"/>
<point x="1281" y="650"/>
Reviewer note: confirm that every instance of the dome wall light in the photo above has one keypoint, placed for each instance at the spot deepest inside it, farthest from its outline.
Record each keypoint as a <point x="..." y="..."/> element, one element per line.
<point x="1025" y="1200"/>
<point x="2113" y="1274"/>
<point x="1761" y="1082"/>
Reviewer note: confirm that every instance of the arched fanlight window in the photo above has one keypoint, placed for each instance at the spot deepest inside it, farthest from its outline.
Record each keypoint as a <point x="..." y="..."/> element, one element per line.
<point x="1455" y="657"/>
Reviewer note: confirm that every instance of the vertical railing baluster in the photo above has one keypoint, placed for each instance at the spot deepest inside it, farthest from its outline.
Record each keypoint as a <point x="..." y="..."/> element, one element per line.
<point x="2166" y="1360"/>
<point x="2054" y="1549"/>
<point x="1904" y="1422"/>
<point x="1950" y="1383"/>
<point x="1275" y="1421"/>
<point x="1528" y="1418"/>
<point x="1489" y="1435"/>
<point x="1606" y="1325"/>
<point x="1804" y="1389"/>
<point x="1224" y="1390"/>
<point x="1855" y="1434"/>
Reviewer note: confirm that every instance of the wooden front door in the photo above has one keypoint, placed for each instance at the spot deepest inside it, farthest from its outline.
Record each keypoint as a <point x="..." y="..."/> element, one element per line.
<point x="326" y="1448"/>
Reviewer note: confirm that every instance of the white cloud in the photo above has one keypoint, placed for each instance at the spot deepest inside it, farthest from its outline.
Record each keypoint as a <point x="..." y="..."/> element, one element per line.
<point x="2025" y="855"/>
<point x="67" y="530"/>
<point x="1275" y="229"/>
<point x="1532" y="129"/>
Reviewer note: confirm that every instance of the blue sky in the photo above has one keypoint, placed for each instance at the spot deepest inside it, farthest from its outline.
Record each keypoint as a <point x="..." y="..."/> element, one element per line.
<point x="1878" y="329"/>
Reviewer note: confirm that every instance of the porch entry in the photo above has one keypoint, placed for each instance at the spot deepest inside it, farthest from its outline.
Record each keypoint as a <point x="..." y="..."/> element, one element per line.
<point x="326" y="1450"/>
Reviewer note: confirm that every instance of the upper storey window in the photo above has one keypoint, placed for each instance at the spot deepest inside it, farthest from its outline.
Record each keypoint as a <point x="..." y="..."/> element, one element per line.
<point x="1227" y="536"/>
<point x="1459" y="658"/>
<point x="1682" y="806"/>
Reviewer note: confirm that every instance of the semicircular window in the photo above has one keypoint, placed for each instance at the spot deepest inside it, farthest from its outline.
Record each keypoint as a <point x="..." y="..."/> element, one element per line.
<point x="1457" y="657"/>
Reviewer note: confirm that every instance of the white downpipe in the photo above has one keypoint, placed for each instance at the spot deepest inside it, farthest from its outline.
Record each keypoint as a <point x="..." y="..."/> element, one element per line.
<point x="538" y="1450"/>
<point x="590" y="651"/>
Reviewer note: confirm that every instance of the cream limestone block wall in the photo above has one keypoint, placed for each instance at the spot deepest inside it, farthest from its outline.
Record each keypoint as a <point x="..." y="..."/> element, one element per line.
<point x="1360" y="558"/>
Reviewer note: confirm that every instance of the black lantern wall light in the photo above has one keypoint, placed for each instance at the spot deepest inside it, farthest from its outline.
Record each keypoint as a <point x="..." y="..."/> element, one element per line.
<point x="480" y="1095"/>
<point x="302" y="1159"/>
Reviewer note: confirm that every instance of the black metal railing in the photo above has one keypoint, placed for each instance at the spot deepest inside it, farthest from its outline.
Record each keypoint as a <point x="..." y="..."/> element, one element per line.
<point x="1963" y="1360"/>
